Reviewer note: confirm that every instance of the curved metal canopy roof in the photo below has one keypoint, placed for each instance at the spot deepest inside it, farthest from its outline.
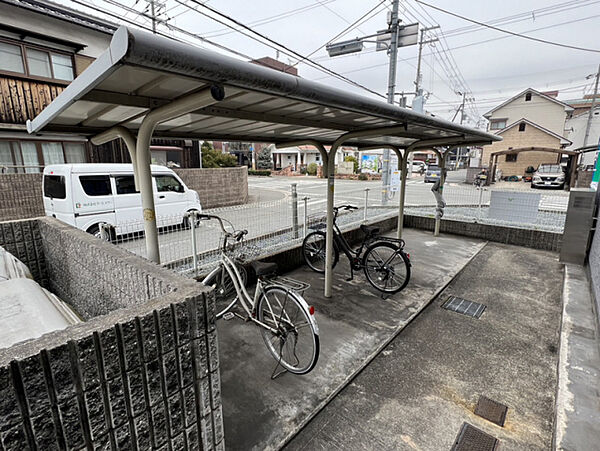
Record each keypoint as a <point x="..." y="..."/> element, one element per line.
<point x="141" y="71"/>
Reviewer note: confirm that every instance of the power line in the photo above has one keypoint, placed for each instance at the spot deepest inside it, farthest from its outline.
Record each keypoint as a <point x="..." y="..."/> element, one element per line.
<point x="362" y="19"/>
<point x="274" y="18"/>
<point x="532" y="14"/>
<point x="273" y="43"/>
<point x="531" y="38"/>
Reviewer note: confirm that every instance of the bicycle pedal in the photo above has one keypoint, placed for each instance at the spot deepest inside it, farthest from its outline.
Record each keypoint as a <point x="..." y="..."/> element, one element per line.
<point x="228" y="316"/>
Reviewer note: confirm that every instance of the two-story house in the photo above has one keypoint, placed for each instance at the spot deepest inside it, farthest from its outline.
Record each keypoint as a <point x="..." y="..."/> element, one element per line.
<point x="529" y="119"/>
<point x="43" y="47"/>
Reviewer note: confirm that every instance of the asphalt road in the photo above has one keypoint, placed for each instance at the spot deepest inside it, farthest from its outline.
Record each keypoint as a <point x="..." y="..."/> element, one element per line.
<point x="269" y="208"/>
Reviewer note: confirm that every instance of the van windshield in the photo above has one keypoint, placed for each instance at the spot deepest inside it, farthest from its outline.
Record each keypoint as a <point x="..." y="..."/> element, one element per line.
<point x="54" y="187"/>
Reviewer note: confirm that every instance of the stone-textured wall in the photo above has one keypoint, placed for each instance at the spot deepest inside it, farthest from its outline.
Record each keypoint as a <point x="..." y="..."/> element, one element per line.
<point x="143" y="373"/>
<point x="24" y="241"/>
<point x="217" y="187"/>
<point x="594" y="270"/>
<point x="97" y="277"/>
<point x="20" y="196"/>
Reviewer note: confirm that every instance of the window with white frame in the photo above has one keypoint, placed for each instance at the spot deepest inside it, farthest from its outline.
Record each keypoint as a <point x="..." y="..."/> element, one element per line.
<point x="497" y="124"/>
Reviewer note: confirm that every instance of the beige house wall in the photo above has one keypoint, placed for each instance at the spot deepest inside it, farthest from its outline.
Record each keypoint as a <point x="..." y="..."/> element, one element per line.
<point x="513" y="138"/>
<point x="540" y="110"/>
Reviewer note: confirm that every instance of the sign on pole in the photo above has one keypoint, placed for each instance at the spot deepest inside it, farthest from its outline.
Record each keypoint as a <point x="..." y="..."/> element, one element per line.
<point x="407" y="35"/>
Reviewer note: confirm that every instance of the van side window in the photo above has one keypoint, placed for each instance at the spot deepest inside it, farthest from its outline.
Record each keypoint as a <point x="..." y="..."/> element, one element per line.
<point x="168" y="183"/>
<point x="125" y="184"/>
<point x="54" y="187"/>
<point x="95" y="185"/>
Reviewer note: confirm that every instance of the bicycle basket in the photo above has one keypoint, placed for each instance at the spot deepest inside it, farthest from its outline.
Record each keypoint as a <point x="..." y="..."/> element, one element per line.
<point x="317" y="222"/>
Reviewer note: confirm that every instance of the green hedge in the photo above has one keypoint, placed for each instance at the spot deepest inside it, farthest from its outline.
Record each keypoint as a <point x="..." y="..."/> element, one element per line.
<point x="263" y="172"/>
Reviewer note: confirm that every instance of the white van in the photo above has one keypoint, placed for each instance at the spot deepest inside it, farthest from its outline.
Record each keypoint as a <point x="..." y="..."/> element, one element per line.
<point x="84" y="195"/>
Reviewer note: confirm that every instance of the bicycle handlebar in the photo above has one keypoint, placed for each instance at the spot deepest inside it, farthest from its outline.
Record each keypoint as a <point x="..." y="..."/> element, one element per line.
<point x="237" y="235"/>
<point x="345" y="207"/>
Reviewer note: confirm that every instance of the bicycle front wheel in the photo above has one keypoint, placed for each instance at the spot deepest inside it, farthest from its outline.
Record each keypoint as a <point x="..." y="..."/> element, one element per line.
<point x="386" y="267"/>
<point x="225" y="294"/>
<point x="294" y="343"/>
<point x="314" y="249"/>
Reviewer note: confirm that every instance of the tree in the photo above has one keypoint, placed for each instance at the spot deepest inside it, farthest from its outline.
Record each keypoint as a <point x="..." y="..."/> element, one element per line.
<point x="263" y="159"/>
<point x="212" y="158"/>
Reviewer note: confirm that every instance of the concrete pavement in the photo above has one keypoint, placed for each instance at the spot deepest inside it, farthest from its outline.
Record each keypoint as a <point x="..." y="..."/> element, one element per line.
<point x="417" y="393"/>
<point x="355" y="325"/>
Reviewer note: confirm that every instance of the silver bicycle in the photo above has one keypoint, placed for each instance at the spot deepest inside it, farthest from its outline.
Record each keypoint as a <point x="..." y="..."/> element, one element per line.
<point x="286" y="321"/>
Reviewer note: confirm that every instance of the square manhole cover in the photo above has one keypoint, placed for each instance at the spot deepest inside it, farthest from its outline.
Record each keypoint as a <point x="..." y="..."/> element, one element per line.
<point x="464" y="307"/>
<point x="472" y="439"/>
<point x="491" y="410"/>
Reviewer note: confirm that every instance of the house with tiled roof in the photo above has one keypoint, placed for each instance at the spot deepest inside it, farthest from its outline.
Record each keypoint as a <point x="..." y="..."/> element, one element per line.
<point x="528" y="119"/>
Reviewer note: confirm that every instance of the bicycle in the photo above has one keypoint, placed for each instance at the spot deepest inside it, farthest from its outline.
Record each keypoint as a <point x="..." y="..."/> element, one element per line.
<point x="286" y="321"/>
<point x="385" y="264"/>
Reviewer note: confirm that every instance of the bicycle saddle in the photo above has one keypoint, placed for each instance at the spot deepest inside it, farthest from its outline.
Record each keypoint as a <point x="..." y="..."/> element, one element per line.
<point x="369" y="230"/>
<point x="263" y="268"/>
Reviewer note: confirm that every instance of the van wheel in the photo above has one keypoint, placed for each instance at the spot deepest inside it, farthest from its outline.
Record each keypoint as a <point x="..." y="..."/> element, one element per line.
<point x="95" y="230"/>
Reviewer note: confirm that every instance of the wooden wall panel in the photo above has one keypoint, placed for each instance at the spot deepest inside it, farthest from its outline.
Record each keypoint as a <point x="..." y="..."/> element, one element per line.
<point x="24" y="99"/>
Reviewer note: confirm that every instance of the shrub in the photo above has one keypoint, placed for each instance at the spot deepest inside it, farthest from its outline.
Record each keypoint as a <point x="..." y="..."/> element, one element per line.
<point x="212" y="158"/>
<point x="312" y="168"/>
<point x="363" y="176"/>
<point x="261" y="172"/>
<point x="354" y="160"/>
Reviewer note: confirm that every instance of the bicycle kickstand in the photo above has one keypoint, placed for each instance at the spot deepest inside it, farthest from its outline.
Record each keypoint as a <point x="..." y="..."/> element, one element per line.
<point x="351" y="274"/>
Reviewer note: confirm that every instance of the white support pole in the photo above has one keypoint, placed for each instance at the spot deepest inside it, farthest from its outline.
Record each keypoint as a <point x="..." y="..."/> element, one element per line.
<point x="402" y="197"/>
<point x="125" y="134"/>
<point x="329" y="230"/>
<point x="164" y="113"/>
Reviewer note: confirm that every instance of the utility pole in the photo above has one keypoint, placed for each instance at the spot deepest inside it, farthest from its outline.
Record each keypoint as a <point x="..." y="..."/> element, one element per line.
<point x="591" y="112"/>
<point x="153" y="14"/>
<point x="421" y="43"/>
<point x="393" y="52"/>
<point x="398" y="37"/>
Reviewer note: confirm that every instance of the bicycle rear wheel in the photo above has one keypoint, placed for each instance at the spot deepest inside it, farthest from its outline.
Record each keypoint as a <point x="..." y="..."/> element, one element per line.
<point x="313" y="249"/>
<point x="225" y="294"/>
<point x="386" y="267"/>
<point x="295" y="344"/>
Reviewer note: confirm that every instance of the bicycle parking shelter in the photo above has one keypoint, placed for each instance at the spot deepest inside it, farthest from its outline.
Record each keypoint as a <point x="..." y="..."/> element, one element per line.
<point x="145" y="85"/>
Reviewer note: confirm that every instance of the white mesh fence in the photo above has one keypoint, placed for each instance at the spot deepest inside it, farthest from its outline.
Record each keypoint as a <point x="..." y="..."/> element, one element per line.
<point x="520" y="206"/>
<point x="283" y="223"/>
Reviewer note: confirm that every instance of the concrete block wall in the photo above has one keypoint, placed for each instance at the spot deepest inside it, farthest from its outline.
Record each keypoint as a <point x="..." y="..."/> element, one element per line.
<point x="536" y="239"/>
<point x="141" y="373"/>
<point x="218" y="187"/>
<point x="97" y="277"/>
<point x="20" y="196"/>
<point x="24" y="241"/>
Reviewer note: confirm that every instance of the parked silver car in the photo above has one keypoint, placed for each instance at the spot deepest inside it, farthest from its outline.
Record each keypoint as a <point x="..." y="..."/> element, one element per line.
<point x="433" y="173"/>
<point x="548" y="176"/>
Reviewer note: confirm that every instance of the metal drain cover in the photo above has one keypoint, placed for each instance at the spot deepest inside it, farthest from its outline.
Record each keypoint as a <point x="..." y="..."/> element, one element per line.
<point x="460" y="305"/>
<point x="491" y="410"/>
<point x="472" y="439"/>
